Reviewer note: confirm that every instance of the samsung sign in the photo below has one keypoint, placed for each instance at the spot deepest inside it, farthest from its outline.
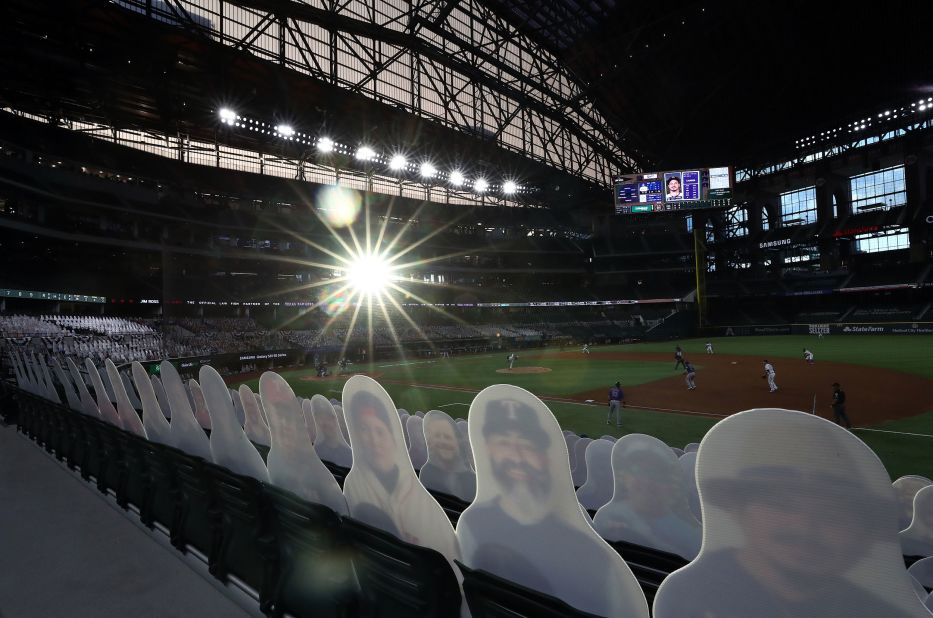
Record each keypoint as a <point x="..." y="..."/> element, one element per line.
<point x="774" y="243"/>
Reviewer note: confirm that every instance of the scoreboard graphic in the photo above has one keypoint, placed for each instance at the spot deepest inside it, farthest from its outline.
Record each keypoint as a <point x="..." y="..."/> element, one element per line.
<point x="689" y="189"/>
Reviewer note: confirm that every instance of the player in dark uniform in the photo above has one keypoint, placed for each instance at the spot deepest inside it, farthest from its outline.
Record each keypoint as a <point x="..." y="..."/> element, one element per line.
<point x="678" y="358"/>
<point x="839" y="406"/>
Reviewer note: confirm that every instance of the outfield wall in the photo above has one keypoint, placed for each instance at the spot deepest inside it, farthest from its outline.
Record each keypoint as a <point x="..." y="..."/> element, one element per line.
<point x="860" y="328"/>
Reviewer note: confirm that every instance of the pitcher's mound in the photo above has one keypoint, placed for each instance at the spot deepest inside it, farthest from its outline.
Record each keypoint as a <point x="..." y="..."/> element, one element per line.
<point x="525" y="370"/>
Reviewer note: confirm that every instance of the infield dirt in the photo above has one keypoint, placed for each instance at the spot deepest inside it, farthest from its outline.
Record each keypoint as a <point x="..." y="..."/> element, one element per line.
<point x="727" y="384"/>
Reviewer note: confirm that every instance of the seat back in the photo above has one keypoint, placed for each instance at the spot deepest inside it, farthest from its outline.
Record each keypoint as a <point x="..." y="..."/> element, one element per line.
<point x="489" y="596"/>
<point x="314" y="576"/>
<point x="398" y="578"/>
<point x="196" y="524"/>
<point x="246" y="549"/>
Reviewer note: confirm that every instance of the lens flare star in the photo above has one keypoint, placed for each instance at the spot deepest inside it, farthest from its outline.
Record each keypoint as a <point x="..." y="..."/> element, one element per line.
<point x="369" y="274"/>
<point x="363" y="274"/>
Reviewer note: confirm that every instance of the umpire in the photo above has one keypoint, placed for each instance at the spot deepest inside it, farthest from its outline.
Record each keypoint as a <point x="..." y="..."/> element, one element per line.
<point x="616" y="403"/>
<point x="839" y="406"/>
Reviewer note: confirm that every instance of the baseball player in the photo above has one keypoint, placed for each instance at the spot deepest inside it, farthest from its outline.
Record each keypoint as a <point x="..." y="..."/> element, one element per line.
<point x="512" y="358"/>
<point x="769" y="373"/>
<point x="678" y="358"/>
<point x="586" y="348"/>
<point x="839" y="406"/>
<point x="616" y="403"/>
<point x="709" y="347"/>
<point x="691" y="373"/>
<point x="808" y="356"/>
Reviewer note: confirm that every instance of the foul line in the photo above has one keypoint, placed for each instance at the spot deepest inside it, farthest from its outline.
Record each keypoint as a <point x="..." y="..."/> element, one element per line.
<point x="557" y="399"/>
<point x="447" y="405"/>
<point x="900" y="433"/>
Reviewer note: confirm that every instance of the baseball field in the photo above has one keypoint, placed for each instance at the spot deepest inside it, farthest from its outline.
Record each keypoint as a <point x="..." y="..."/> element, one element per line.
<point x="888" y="381"/>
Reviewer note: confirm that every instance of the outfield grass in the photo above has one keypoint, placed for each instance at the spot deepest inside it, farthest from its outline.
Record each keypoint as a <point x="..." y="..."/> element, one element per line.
<point x="901" y="453"/>
<point x="907" y="353"/>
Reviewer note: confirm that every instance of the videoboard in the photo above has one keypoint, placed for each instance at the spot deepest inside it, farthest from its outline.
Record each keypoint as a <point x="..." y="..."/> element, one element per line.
<point x="689" y="189"/>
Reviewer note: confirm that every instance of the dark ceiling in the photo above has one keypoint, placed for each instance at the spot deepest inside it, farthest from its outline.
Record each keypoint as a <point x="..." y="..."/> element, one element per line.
<point x="727" y="82"/>
<point x="690" y="84"/>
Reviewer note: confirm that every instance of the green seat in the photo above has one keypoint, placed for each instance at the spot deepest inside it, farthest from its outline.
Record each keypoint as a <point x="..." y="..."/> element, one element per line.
<point x="197" y="522"/>
<point x="452" y="505"/>
<point x="398" y="579"/>
<point x="339" y="472"/>
<point x="110" y="457"/>
<point x="650" y="566"/>
<point x="313" y="571"/>
<point x="247" y="548"/>
<point x="164" y="494"/>
<point x="135" y="481"/>
<point x="490" y="596"/>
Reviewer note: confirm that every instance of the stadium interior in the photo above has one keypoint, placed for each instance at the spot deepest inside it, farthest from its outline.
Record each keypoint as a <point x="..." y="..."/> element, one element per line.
<point x="238" y="235"/>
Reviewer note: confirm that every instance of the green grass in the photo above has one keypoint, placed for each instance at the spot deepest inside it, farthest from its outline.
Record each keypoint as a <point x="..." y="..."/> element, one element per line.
<point x="907" y="353"/>
<point x="902" y="454"/>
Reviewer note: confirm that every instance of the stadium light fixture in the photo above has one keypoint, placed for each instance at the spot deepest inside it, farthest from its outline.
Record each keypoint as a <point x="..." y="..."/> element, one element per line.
<point x="227" y="115"/>
<point x="509" y="187"/>
<point x="480" y="185"/>
<point x="284" y="130"/>
<point x="365" y="153"/>
<point x="325" y="144"/>
<point x="428" y="170"/>
<point x="456" y="178"/>
<point x="397" y="163"/>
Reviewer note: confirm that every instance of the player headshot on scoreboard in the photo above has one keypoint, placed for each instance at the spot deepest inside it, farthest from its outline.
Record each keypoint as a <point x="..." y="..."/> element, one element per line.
<point x="674" y="187"/>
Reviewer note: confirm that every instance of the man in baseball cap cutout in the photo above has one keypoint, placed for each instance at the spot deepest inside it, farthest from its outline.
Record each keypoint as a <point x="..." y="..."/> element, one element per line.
<point x="800" y="521"/>
<point x="526" y="524"/>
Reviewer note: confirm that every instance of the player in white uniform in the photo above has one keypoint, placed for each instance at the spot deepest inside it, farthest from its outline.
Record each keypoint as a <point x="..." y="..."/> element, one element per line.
<point x="709" y="347"/>
<point x="586" y="348"/>
<point x="808" y="356"/>
<point x="769" y="373"/>
<point x="512" y="358"/>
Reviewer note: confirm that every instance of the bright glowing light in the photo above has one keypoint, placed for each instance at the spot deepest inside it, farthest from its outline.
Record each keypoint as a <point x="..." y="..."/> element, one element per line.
<point x="428" y="170"/>
<point x="480" y="185"/>
<point x="397" y="163"/>
<point x="369" y="274"/>
<point x="340" y="205"/>
<point x="227" y="115"/>
<point x="365" y="153"/>
<point x="325" y="144"/>
<point x="509" y="187"/>
<point x="456" y="179"/>
<point x="285" y="130"/>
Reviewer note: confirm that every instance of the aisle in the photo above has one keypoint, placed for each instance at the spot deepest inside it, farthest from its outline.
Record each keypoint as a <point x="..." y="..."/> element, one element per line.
<point x="65" y="552"/>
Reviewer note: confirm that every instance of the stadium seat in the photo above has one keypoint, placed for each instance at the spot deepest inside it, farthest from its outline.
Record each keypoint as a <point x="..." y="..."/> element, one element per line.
<point x="398" y="578"/>
<point x="650" y="566"/>
<point x="109" y="455"/>
<point x="339" y="472"/>
<point x="489" y="596"/>
<point x="134" y="482"/>
<point x="246" y="546"/>
<point x="313" y="574"/>
<point x="163" y="504"/>
<point x="197" y="518"/>
<point x="452" y="505"/>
